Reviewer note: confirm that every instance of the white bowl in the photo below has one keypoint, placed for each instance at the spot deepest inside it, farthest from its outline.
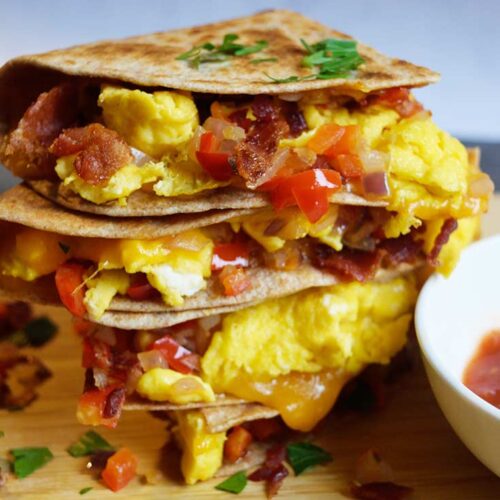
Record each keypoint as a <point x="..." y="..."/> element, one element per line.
<point x="452" y="316"/>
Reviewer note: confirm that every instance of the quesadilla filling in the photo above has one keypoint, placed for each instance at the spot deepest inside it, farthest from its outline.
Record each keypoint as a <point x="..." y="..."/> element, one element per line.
<point x="348" y="243"/>
<point x="302" y="150"/>
<point x="291" y="355"/>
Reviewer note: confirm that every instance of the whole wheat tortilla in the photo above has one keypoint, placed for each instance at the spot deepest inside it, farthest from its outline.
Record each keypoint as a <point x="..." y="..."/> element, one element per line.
<point x="145" y="204"/>
<point x="21" y="205"/>
<point x="150" y="61"/>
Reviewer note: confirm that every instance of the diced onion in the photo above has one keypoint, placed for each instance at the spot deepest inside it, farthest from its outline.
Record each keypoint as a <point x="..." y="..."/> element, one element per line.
<point x="100" y="378"/>
<point x="216" y="126"/>
<point x="133" y="376"/>
<point x="306" y="155"/>
<point x="152" y="359"/>
<point x="290" y="97"/>
<point x="372" y="468"/>
<point x="376" y="183"/>
<point x="194" y="143"/>
<point x="209" y="322"/>
<point x="233" y="133"/>
<point x="374" y="161"/>
<point x="278" y="161"/>
<point x="140" y="158"/>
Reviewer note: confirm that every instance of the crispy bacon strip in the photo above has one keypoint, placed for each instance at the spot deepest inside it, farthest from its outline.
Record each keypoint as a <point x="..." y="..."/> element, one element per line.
<point x="273" y="471"/>
<point x="25" y="150"/>
<point x="253" y="156"/>
<point x="100" y="152"/>
<point x="442" y="238"/>
<point x="402" y="249"/>
<point x="380" y="491"/>
<point x="349" y="264"/>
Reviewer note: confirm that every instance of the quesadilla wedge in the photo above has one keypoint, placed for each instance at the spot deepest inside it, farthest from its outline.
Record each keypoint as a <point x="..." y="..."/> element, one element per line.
<point x="183" y="266"/>
<point x="285" y="360"/>
<point x="271" y="109"/>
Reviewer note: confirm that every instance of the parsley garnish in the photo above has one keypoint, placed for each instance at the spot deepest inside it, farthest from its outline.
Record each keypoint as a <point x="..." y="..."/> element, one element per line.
<point x="28" y="460"/>
<point x="65" y="248"/>
<point x="233" y="484"/>
<point x="301" y="456"/>
<point x="88" y="444"/>
<point x="334" y="58"/>
<point x="36" y="333"/>
<point x="210" y="53"/>
<point x="85" y="490"/>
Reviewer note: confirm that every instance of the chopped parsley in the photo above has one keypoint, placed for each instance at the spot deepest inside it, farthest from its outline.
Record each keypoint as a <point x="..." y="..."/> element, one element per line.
<point x="332" y="57"/>
<point x="88" y="444"/>
<point x="233" y="484"/>
<point x="301" y="456"/>
<point x="65" y="248"/>
<point x="85" y="490"/>
<point x="36" y="333"/>
<point x="28" y="460"/>
<point x="210" y="53"/>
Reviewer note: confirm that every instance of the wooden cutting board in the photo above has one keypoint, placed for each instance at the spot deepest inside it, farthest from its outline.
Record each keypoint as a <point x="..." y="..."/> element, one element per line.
<point x="410" y="432"/>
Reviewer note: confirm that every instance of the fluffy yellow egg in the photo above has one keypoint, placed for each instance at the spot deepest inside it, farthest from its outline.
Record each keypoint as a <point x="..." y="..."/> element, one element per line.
<point x="153" y="122"/>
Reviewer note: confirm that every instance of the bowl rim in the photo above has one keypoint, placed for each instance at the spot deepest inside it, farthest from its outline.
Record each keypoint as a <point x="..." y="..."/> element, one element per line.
<point x="423" y="335"/>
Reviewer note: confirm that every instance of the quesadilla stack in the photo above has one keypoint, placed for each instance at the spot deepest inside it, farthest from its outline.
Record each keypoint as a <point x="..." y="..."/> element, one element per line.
<point x="239" y="215"/>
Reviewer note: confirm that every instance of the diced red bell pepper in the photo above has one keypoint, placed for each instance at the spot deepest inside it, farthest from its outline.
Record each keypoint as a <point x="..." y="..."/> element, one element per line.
<point x="309" y="190"/>
<point x="326" y="136"/>
<point x="237" y="443"/>
<point x="120" y="469"/>
<point x="212" y="161"/>
<point x="174" y="354"/>
<point x="348" y="143"/>
<point x="350" y="166"/>
<point x="234" y="254"/>
<point x="234" y="280"/>
<point x="91" y="407"/>
<point x="69" y="279"/>
<point x="140" y="288"/>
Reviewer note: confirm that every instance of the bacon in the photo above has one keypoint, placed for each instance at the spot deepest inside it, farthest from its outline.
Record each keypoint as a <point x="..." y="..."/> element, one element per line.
<point x="273" y="471"/>
<point x="442" y="238"/>
<point x="254" y="155"/>
<point x="114" y="403"/>
<point x="349" y="264"/>
<point x="380" y="491"/>
<point x="25" y="150"/>
<point x="294" y="118"/>
<point x="100" y="152"/>
<point x="402" y="249"/>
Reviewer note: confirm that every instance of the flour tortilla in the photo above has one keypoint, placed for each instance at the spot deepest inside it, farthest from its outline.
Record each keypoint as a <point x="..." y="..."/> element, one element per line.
<point x="21" y="205"/>
<point x="145" y="204"/>
<point x="150" y="61"/>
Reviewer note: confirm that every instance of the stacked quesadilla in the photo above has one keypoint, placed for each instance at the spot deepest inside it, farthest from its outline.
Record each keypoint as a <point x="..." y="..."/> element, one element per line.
<point x="239" y="215"/>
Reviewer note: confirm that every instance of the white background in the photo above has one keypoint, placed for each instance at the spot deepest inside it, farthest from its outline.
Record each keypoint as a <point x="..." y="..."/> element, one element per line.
<point x="459" y="38"/>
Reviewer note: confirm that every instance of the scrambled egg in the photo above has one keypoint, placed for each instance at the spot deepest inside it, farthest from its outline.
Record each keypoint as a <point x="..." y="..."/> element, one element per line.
<point x="176" y="266"/>
<point x="292" y="224"/>
<point x="155" y="123"/>
<point x="163" y="384"/>
<point x="428" y="170"/>
<point x="184" y="177"/>
<point x="202" y="452"/>
<point x="122" y="183"/>
<point x="344" y="327"/>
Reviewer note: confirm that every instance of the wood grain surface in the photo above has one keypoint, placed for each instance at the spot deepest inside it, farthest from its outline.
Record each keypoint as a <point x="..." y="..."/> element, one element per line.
<point x="410" y="432"/>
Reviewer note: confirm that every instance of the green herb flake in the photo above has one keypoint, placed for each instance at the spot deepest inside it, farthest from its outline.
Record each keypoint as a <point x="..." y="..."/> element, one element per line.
<point x="88" y="444"/>
<point x="65" y="248"/>
<point x="39" y="331"/>
<point x="85" y="490"/>
<point x="333" y="58"/>
<point x="211" y="53"/>
<point x="28" y="460"/>
<point x="264" y="60"/>
<point x="302" y="456"/>
<point x="234" y="484"/>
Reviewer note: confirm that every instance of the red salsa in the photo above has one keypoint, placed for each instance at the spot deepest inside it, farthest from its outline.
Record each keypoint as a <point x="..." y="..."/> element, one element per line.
<point x="482" y="375"/>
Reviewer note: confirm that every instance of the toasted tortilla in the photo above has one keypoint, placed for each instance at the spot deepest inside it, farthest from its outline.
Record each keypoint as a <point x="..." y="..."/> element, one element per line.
<point x="21" y="205"/>
<point x="145" y="204"/>
<point x="150" y="61"/>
